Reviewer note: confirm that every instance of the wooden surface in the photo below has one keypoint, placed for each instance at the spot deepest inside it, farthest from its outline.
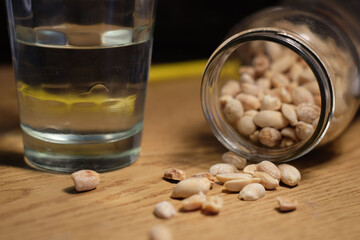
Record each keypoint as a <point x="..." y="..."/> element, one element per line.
<point x="41" y="205"/>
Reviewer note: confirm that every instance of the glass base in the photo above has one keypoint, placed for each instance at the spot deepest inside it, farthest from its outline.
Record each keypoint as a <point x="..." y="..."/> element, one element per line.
<point x="69" y="153"/>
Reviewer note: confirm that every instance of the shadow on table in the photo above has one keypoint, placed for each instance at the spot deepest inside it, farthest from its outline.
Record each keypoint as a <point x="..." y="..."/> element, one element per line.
<point x="207" y="150"/>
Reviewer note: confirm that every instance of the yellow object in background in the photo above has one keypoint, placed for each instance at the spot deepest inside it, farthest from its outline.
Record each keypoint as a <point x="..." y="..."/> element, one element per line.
<point x="179" y="70"/>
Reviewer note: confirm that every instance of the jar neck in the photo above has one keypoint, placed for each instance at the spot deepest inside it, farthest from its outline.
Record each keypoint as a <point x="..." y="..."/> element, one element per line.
<point x="224" y="132"/>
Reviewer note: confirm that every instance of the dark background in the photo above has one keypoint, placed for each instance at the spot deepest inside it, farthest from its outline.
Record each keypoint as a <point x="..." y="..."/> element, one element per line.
<point x="184" y="29"/>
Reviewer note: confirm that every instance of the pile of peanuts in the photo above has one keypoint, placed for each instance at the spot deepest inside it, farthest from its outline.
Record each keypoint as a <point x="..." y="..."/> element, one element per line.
<point x="276" y="101"/>
<point x="250" y="181"/>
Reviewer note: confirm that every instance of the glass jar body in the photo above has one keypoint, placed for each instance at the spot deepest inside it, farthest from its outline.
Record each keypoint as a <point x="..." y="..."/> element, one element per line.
<point x="322" y="42"/>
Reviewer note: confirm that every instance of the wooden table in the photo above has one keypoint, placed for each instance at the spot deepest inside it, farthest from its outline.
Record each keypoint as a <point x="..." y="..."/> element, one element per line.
<point x="40" y="205"/>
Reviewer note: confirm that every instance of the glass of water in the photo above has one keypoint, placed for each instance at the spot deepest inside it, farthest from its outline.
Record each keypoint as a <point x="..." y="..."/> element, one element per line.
<point x="81" y="70"/>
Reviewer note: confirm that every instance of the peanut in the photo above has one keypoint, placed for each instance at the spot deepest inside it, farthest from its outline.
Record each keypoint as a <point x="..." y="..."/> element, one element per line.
<point x="247" y="70"/>
<point x="248" y="101"/>
<point x="231" y="87"/>
<point x="289" y="174"/>
<point x="269" y="102"/>
<point x="270" y="137"/>
<point x="246" y="126"/>
<point x="302" y="95"/>
<point x="160" y="232"/>
<point x="250" y="169"/>
<point x="283" y="64"/>
<point x="261" y="63"/>
<point x="222" y="168"/>
<point x="225" y="177"/>
<point x="266" y="180"/>
<point x="289" y="133"/>
<point x="85" y="180"/>
<point x="252" y="192"/>
<point x="279" y="80"/>
<point x="234" y="159"/>
<point x="233" y="110"/>
<point x="193" y="202"/>
<point x="213" y="205"/>
<point x="270" y="118"/>
<point x="204" y="174"/>
<point x="289" y="113"/>
<point x="307" y="112"/>
<point x="269" y="168"/>
<point x="303" y="130"/>
<point x="237" y="185"/>
<point x="174" y="174"/>
<point x="249" y="88"/>
<point x="286" y="204"/>
<point x="191" y="186"/>
<point x="164" y="210"/>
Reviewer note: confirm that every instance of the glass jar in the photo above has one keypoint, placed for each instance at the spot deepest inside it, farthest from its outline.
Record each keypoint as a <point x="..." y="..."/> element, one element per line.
<point x="326" y="36"/>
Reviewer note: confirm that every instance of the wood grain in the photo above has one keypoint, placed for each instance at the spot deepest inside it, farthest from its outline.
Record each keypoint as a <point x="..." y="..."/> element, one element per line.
<point x="36" y="204"/>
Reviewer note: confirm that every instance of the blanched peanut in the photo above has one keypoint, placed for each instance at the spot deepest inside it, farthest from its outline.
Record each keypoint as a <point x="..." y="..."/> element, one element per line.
<point x="248" y="88"/>
<point x="213" y="204"/>
<point x="317" y="100"/>
<point x="289" y="133"/>
<point x="269" y="168"/>
<point x="233" y="110"/>
<point x="269" y="102"/>
<point x="191" y="186"/>
<point x="237" y="185"/>
<point x="225" y="177"/>
<point x="205" y="175"/>
<point x="231" y="87"/>
<point x="273" y="50"/>
<point x="248" y="101"/>
<point x="307" y="112"/>
<point x="224" y="100"/>
<point x="286" y="204"/>
<point x="289" y="174"/>
<point x="160" y="232"/>
<point x="263" y="83"/>
<point x="290" y="114"/>
<point x="85" y="180"/>
<point x="246" y="125"/>
<point x="270" y="137"/>
<point x="279" y="80"/>
<point x="270" y="118"/>
<point x="266" y="180"/>
<point x="306" y="76"/>
<point x="302" y="95"/>
<point x="255" y="136"/>
<point x="295" y="72"/>
<point x="284" y="95"/>
<point x="261" y="63"/>
<point x="164" y="210"/>
<point x="315" y="123"/>
<point x="246" y="78"/>
<point x="313" y="87"/>
<point x="252" y="192"/>
<point x="234" y="159"/>
<point x="193" y="202"/>
<point x="174" y="174"/>
<point x="250" y="169"/>
<point x="247" y="70"/>
<point x="284" y="63"/>
<point x="250" y="113"/>
<point x="222" y="168"/>
<point x="286" y="142"/>
<point x="303" y="130"/>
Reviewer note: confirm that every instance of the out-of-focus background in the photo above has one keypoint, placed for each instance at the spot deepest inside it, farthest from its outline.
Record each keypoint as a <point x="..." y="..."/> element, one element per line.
<point x="184" y="29"/>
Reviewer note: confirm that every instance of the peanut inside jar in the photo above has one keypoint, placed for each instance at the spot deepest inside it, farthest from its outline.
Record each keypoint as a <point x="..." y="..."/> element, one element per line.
<point x="274" y="101"/>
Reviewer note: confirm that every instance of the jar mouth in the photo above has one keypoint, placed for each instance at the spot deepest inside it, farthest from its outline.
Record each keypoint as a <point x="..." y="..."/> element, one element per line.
<point x="226" y="134"/>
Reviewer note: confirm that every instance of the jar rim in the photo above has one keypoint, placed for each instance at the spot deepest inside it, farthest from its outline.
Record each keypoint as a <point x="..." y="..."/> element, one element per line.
<point x="225" y="133"/>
